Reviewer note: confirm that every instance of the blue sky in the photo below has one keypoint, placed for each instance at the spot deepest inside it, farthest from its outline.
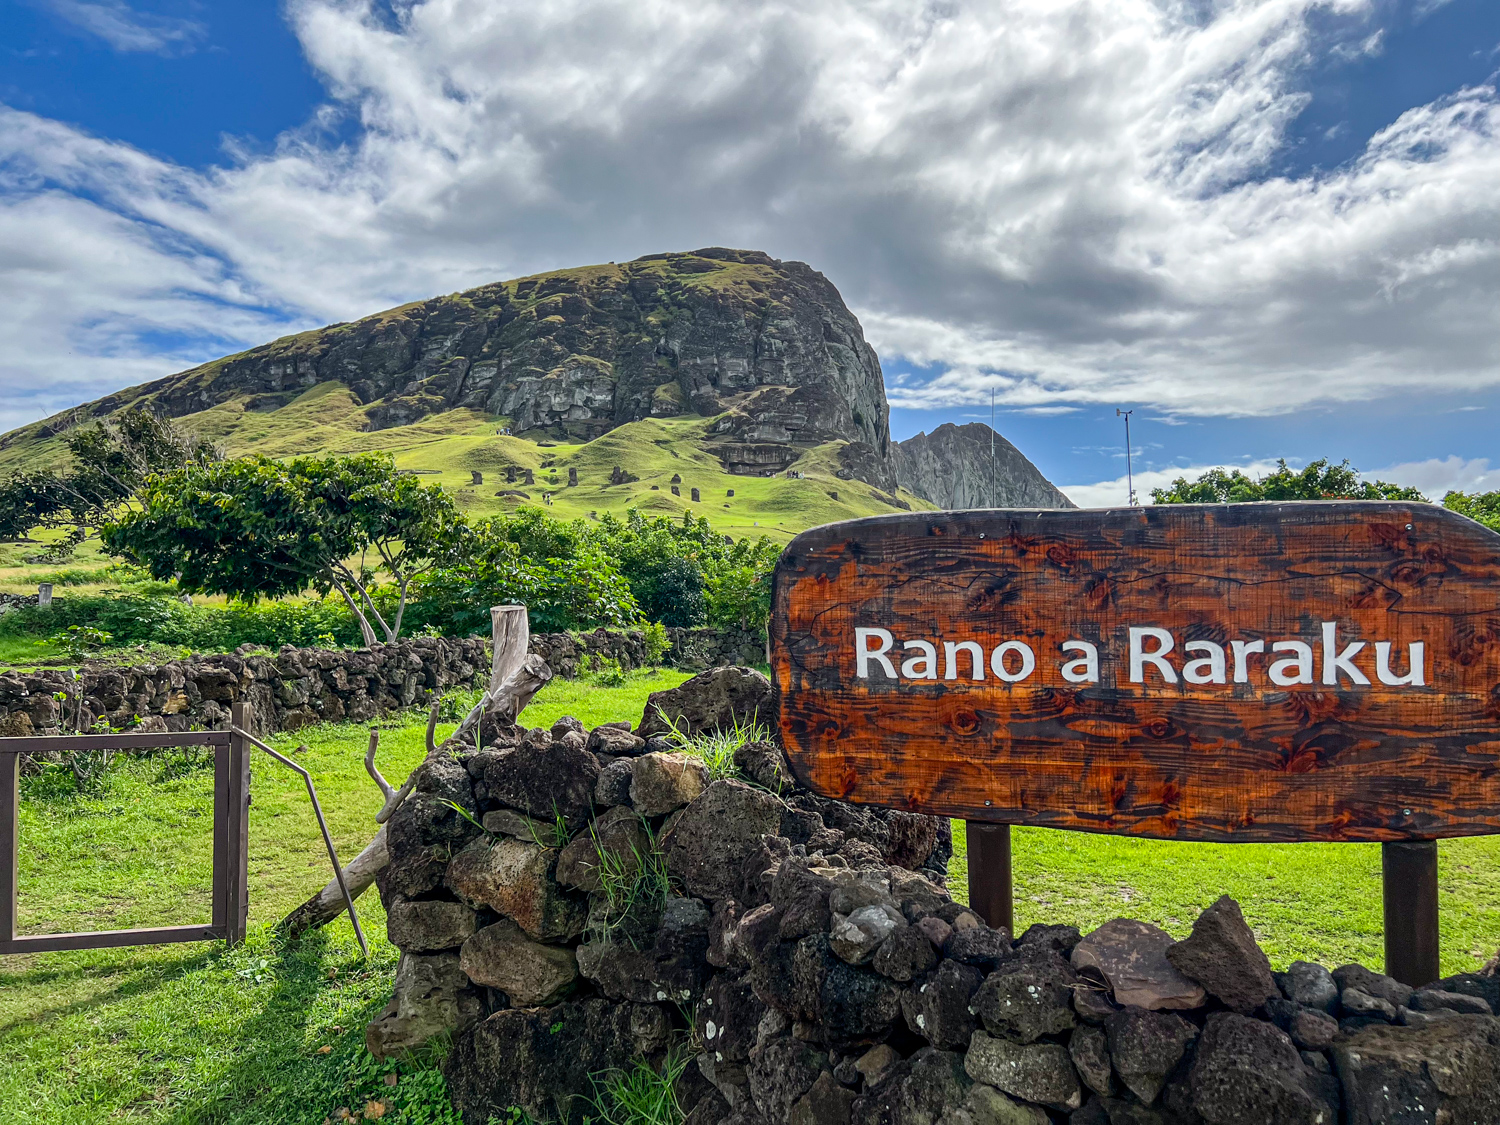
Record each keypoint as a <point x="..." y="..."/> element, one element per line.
<point x="1270" y="228"/>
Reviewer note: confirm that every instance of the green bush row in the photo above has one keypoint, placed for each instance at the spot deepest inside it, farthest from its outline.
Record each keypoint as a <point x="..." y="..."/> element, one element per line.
<point x="136" y="618"/>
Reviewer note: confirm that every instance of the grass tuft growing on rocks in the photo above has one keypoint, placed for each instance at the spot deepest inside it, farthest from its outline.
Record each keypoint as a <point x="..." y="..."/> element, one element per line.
<point x="641" y="1095"/>
<point x="717" y="748"/>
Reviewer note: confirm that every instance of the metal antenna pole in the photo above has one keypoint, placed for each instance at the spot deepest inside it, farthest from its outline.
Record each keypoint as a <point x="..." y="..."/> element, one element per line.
<point x="1129" y="471"/>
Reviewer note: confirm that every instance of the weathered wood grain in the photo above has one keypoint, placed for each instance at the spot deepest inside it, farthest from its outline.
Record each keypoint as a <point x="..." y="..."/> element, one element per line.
<point x="1247" y="761"/>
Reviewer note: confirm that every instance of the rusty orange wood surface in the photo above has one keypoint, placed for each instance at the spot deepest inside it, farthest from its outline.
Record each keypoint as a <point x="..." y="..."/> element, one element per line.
<point x="1250" y="758"/>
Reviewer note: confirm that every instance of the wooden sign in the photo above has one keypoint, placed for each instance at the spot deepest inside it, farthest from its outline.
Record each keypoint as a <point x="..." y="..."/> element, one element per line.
<point x="1256" y="672"/>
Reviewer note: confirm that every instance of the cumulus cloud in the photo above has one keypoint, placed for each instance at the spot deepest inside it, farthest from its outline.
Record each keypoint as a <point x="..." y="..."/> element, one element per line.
<point x="1437" y="476"/>
<point x="1063" y="202"/>
<point x="125" y="29"/>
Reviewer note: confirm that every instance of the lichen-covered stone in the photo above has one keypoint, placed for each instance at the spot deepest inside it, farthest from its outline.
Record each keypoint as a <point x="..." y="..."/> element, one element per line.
<point x="432" y="997"/>
<point x="429" y="926"/>
<point x="708" y="846"/>
<point x="1034" y="1072"/>
<point x="1450" y="1068"/>
<point x="516" y="879"/>
<point x="1145" y="1047"/>
<point x="502" y="957"/>
<point x="664" y="783"/>
<point x="1028" y="997"/>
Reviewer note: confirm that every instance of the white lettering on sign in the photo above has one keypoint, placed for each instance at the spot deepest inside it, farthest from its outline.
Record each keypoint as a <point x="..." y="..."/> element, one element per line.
<point x="1153" y="657"/>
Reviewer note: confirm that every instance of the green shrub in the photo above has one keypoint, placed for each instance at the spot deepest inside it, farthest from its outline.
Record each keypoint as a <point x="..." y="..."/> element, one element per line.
<point x="130" y="617"/>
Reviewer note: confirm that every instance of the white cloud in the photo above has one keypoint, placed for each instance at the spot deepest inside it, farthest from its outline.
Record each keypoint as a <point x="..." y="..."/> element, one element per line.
<point x="125" y="29"/>
<point x="1439" y="475"/>
<point x="1067" y="202"/>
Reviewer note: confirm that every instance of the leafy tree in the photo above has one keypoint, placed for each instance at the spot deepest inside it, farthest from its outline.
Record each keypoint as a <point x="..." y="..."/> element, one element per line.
<point x="109" y="467"/>
<point x="255" y="527"/>
<point x="683" y="571"/>
<point x="1483" y="507"/>
<point x="582" y="590"/>
<point x="739" y="595"/>
<point x="1321" y="480"/>
<point x="670" y="591"/>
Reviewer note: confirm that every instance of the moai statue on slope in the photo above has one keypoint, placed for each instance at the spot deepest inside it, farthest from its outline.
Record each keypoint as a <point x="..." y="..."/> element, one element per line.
<point x="572" y="478"/>
<point x="676" y="491"/>
<point x="530" y="477"/>
<point x="510" y="474"/>
<point x="695" y="496"/>
<point x="477" y="475"/>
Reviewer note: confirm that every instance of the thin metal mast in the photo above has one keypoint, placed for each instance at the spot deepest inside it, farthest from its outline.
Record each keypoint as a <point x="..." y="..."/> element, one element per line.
<point x="1129" y="472"/>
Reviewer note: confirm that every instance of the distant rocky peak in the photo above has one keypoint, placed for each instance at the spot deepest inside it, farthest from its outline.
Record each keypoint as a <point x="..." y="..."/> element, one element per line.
<point x="972" y="466"/>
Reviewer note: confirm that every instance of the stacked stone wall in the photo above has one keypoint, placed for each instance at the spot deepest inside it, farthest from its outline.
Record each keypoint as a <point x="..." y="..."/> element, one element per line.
<point x="808" y="956"/>
<point x="300" y="686"/>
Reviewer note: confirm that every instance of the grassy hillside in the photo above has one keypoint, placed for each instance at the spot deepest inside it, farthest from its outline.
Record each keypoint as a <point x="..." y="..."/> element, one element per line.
<point x="447" y="448"/>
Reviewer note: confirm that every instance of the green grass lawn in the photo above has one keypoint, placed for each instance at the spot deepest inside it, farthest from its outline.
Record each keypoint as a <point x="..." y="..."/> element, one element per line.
<point x="1311" y="902"/>
<point x="197" y="1033"/>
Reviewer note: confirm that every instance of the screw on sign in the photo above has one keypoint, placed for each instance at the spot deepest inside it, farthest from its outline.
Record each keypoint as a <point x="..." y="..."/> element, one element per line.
<point x="1247" y="672"/>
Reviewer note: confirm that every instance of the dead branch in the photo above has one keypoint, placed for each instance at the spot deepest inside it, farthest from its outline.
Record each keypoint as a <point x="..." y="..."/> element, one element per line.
<point x="525" y="676"/>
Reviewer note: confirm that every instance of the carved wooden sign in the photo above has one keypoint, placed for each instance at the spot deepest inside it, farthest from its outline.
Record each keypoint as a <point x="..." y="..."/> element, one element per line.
<point x="1256" y="672"/>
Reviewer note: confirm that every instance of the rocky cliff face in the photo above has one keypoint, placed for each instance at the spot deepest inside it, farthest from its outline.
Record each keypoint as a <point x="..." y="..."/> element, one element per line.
<point x="583" y="350"/>
<point x="951" y="468"/>
<point x="765" y="348"/>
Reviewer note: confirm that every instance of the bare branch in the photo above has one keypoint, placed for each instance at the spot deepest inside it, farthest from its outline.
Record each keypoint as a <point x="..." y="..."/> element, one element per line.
<point x="393" y="796"/>
<point x="386" y="788"/>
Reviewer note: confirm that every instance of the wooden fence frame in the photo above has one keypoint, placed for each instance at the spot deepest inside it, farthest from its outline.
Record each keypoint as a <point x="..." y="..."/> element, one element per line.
<point x="231" y="837"/>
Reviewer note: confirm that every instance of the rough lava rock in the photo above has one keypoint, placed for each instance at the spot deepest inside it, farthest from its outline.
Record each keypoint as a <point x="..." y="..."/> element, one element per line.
<point x="1310" y="985"/>
<point x="1145" y="1046"/>
<point x="542" y="1060"/>
<point x="664" y="783"/>
<point x="555" y="778"/>
<point x="712" y="700"/>
<point x="516" y="879"/>
<point x="432" y="997"/>
<point x="429" y="926"/>
<point x="1222" y="956"/>
<point x="1247" y="1072"/>
<point x="1034" y="1072"/>
<point x="532" y="974"/>
<point x="1028" y="997"/>
<point x="1132" y="957"/>
<point x="1451" y="1068"/>
<point x="716" y="834"/>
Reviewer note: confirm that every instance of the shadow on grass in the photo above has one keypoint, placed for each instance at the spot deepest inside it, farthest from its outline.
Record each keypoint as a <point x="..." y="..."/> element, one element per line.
<point x="142" y="978"/>
<point x="274" y="1072"/>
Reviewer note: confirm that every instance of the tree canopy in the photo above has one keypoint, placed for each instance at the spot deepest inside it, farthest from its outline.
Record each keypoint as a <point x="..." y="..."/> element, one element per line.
<point x="255" y="527"/>
<point x="1321" y="480"/>
<point x="109" y="466"/>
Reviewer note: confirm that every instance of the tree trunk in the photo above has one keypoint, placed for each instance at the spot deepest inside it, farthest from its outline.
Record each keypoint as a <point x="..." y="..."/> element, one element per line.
<point x="511" y="633"/>
<point x="328" y="903"/>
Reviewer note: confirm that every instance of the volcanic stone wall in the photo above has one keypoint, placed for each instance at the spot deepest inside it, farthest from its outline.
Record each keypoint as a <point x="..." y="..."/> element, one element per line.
<point x="299" y="686"/>
<point x="622" y="901"/>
